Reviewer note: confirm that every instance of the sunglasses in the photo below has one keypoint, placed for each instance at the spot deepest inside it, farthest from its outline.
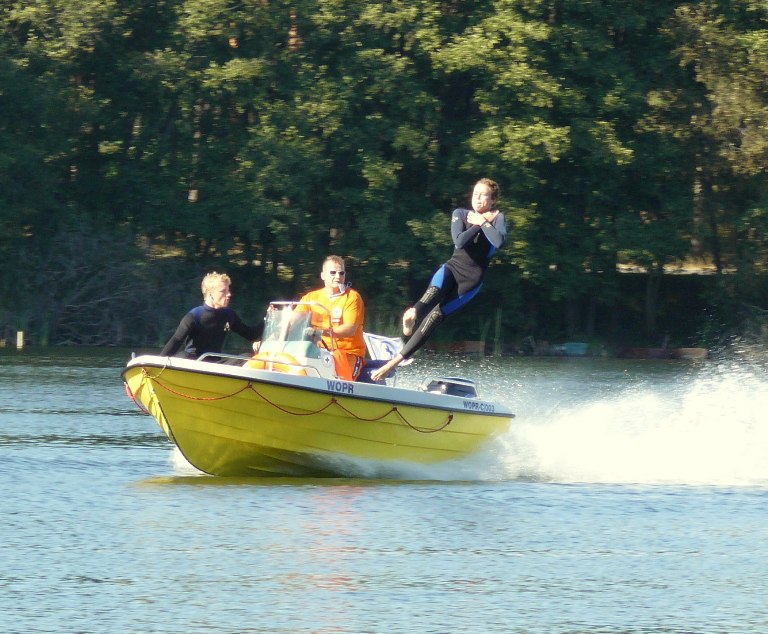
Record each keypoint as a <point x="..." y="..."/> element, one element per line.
<point x="339" y="273"/>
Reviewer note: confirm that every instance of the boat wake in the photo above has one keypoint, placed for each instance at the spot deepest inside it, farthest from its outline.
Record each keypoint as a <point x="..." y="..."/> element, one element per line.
<point x="710" y="429"/>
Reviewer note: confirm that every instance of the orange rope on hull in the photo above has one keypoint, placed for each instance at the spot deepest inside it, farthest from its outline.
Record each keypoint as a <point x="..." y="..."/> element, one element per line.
<point x="332" y="401"/>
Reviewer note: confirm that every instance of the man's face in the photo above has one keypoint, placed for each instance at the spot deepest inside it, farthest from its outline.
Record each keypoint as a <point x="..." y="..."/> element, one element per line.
<point x="334" y="276"/>
<point x="219" y="295"/>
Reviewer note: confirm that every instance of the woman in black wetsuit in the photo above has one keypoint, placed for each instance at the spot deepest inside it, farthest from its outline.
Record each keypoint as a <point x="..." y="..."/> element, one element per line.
<point x="477" y="234"/>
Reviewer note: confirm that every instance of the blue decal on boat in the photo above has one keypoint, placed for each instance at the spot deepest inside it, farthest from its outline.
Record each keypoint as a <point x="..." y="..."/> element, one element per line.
<point x="341" y="386"/>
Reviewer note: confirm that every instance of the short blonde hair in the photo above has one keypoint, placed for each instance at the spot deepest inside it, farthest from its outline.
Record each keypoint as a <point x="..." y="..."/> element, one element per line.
<point x="337" y="260"/>
<point x="210" y="280"/>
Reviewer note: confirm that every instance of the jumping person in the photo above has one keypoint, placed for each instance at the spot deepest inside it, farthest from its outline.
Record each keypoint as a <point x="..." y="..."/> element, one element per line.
<point x="477" y="234"/>
<point x="204" y="328"/>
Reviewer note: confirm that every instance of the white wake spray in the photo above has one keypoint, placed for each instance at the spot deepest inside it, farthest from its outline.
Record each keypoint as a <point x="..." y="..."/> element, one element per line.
<point x="710" y="429"/>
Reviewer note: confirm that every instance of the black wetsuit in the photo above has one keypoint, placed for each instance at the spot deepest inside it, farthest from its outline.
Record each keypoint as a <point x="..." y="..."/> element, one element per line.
<point x="457" y="281"/>
<point x="204" y="329"/>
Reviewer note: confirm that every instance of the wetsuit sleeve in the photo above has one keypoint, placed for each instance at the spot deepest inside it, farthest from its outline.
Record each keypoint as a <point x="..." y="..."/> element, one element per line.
<point x="460" y="232"/>
<point x="251" y="333"/>
<point x="180" y="337"/>
<point x="496" y="232"/>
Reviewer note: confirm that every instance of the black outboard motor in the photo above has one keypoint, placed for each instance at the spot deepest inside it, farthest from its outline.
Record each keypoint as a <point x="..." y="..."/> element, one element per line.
<point x="453" y="386"/>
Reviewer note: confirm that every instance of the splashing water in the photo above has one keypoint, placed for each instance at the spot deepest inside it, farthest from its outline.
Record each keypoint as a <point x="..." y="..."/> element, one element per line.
<point x="711" y="429"/>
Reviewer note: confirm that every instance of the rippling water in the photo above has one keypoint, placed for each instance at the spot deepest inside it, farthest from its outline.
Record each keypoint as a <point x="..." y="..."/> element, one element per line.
<point x="628" y="497"/>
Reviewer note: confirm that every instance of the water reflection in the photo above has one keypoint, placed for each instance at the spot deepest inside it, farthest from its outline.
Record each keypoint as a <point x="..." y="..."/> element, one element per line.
<point x="92" y="440"/>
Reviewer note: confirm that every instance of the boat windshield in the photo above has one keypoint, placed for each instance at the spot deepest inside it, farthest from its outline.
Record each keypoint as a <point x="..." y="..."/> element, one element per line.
<point x="284" y="323"/>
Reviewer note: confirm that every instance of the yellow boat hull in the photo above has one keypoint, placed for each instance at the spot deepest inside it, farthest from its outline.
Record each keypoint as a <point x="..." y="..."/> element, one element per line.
<point x="234" y="421"/>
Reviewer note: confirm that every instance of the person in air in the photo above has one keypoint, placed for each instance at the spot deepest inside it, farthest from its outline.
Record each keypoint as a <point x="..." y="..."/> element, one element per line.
<point x="478" y="233"/>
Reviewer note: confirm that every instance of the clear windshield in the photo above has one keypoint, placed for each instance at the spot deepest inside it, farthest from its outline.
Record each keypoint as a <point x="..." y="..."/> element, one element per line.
<point x="284" y="323"/>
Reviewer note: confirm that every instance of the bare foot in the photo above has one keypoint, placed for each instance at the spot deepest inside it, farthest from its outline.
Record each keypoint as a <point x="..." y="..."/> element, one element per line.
<point x="409" y="318"/>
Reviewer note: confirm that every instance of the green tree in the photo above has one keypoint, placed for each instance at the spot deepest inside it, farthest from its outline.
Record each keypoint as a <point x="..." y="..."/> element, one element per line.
<point x="724" y="45"/>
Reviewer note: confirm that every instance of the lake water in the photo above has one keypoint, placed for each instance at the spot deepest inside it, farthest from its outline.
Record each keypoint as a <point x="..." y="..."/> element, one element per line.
<point x="628" y="497"/>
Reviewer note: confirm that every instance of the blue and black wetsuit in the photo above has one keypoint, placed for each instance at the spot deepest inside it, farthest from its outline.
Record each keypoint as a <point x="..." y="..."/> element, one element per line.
<point x="458" y="280"/>
<point x="204" y="329"/>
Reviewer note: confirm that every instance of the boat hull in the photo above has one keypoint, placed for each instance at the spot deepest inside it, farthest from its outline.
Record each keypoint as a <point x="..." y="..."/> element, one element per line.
<point x="234" y="421"/>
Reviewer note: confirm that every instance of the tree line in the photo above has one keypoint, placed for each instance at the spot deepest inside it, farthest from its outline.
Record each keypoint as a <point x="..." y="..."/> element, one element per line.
<point x="146" y="142"/>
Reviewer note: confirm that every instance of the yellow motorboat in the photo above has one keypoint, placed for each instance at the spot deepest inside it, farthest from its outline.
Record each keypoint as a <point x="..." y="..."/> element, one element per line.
<point x="285" y="412"/>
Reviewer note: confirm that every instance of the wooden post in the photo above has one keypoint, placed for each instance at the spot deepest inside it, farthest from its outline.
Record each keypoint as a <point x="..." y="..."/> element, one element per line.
<point x="497" y="335"/>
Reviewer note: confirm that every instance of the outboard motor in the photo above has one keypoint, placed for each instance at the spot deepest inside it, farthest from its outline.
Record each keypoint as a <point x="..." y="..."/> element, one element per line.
<point x="450" y="385"/>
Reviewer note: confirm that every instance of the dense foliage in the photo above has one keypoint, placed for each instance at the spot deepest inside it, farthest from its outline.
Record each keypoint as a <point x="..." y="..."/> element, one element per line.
<point x="145" y="142"/>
